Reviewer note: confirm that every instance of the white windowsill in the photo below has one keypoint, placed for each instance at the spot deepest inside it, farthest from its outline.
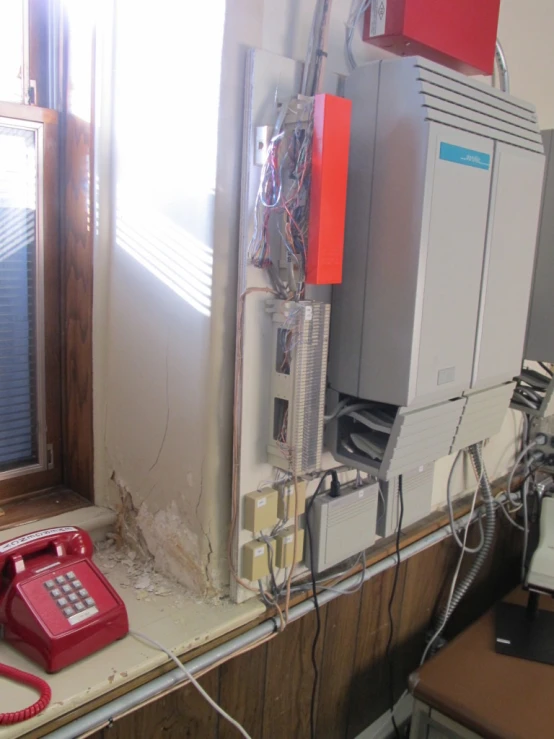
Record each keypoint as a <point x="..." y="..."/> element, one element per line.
<point x="176" y="620"/>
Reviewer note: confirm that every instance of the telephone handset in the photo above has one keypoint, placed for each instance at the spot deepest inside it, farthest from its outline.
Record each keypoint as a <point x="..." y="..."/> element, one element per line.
<point x="56" y="607"/>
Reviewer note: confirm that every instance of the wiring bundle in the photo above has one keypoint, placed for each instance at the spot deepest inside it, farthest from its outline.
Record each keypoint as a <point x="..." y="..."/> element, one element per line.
<point x="282" y="203"/>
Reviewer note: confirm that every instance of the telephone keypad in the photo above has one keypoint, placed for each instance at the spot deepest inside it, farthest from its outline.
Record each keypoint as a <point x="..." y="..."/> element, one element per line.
<point x="69" y="594"/>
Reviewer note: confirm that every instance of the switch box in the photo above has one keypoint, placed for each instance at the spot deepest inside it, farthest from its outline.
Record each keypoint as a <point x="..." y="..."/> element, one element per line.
<point x="255" y="559"/>
<point x="287" y="506"/>
<point x="285" y="547"/>
<point x="344" y="526"/>
<point x="260" y="510"/>
<point x="417" y="493"/>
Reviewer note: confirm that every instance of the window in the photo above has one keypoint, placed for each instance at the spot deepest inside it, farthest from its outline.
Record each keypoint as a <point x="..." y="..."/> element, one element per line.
<point x="14" y="41"/>
<point x="29" y="313"/>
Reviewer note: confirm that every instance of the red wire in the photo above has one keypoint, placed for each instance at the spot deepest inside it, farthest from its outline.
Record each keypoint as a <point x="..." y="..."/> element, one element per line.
<point x="33" y="682"/>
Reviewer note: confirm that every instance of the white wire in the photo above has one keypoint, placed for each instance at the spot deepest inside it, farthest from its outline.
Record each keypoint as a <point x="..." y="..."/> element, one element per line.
<point x="357" y="9"/>
<point x="502" y="505"/>
<point x="456" y="573"/>
<point x="469" y="550"/>
<point x="522" y="454"/>
<point x="193" y="680"/>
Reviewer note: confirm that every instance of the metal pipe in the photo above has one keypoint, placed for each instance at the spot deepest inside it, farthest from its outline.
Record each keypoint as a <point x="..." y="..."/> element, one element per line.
<point x="502" y="65"/>
<point x="117" y="708"/>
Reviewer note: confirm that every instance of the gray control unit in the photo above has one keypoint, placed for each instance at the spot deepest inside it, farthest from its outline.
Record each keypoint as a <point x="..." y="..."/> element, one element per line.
<point x="540" y="329"/>
<point x="444" y="194"/>
<point x="342" y="527"/>
<point x="417" y="494"/>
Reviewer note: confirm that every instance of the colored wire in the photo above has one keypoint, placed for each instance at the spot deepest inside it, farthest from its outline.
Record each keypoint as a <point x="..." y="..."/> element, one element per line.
<point x="391" y="603"/>
<point x="193" y="680"/>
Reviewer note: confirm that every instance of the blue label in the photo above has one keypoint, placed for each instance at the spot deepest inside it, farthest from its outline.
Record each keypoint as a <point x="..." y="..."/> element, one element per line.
<point x="469" y="157"/>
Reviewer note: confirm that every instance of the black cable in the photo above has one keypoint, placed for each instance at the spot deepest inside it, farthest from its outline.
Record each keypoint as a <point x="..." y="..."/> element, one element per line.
<point x="391" y="602"/>
<point x="546" y="368"/>
<point x="334" y="485"/>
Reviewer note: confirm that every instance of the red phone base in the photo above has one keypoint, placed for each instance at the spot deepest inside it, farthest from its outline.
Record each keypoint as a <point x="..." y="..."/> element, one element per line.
<point x="57" y="607"/>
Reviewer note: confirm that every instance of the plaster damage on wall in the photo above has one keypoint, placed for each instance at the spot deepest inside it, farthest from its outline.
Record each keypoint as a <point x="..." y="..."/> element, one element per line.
<point x="166" y="536"/>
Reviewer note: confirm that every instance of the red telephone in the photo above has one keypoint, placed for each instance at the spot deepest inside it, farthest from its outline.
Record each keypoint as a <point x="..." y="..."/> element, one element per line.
<point x="55" y="605"/>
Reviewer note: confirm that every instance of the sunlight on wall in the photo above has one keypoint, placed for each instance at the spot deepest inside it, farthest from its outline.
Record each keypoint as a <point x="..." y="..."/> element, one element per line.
<point x="170" y="253"/>
<point x="166" y="122"/>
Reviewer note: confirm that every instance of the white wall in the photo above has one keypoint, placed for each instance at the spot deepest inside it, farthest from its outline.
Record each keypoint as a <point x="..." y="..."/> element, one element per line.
<point x="156" y="303"/>
<point x="163" y="370"/>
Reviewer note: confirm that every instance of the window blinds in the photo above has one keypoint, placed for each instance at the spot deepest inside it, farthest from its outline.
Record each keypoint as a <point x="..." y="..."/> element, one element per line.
<point x="18" y="318"/>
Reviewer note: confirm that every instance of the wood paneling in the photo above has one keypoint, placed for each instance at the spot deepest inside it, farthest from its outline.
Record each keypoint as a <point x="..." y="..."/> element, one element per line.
<point x="427" y="581"/>
<point x="337" y="665"/>
<point x="289" y="679"/>
<point x="242" y="692"/>
<point x="370" y="688"/>
<point x="78" y="271"/>
<point x="178" y="715"/>
<point x="269" y="689"/>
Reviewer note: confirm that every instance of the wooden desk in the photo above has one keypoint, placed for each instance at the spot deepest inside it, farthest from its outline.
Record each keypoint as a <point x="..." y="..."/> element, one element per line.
<point x="468" y="690"/>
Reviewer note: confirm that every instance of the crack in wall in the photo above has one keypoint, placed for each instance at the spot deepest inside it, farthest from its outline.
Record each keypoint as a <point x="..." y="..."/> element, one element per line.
<point x="164" y="437"/>
<point x="207" y="566"/>
<point x="164" y="537"/>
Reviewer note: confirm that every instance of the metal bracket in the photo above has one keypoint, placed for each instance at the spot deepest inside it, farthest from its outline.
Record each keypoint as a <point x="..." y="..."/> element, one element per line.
<point x="263" y="139"/>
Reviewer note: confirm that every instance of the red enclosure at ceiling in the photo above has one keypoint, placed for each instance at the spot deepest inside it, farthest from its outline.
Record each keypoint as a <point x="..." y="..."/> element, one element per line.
<point x="460" y="34"/>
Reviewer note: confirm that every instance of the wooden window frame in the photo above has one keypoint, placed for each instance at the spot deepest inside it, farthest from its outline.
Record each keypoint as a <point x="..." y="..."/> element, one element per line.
<point x="23" y="483"/>
<point x="68" y="281"/>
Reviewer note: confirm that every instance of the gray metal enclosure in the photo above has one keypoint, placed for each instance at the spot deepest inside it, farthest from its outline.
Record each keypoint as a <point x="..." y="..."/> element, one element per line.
<point x="540" y="330"/>
<point x="444" y="195"/>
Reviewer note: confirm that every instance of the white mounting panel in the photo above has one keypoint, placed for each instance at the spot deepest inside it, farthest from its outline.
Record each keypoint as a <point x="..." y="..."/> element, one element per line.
<point x="271" y="81"/>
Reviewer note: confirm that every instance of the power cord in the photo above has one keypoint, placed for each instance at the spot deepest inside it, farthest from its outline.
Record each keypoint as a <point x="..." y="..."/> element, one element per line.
<point x="193" y="680"/>
<point x="391" y="603"/>
<point x="335" y="492"/>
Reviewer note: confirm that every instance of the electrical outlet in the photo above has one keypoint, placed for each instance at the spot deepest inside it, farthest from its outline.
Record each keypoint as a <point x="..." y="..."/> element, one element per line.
<point x="255" y="559"/>
<point x="260" y="510"/>
<point x="284" y="556"/>
<point x="287" y="506"/>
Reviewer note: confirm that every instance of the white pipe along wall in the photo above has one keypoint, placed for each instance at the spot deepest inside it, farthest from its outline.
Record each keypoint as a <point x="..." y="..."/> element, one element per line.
<point x="163" y="378"/>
